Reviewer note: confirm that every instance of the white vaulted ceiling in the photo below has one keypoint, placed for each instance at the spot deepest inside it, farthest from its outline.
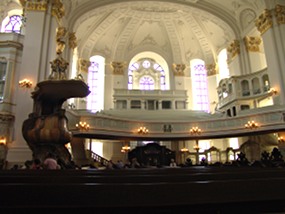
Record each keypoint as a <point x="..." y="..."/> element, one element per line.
<point x="179" y="30"/>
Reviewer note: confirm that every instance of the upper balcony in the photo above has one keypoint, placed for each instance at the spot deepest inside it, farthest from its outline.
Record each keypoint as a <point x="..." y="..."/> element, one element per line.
<point x="245" y="87"/>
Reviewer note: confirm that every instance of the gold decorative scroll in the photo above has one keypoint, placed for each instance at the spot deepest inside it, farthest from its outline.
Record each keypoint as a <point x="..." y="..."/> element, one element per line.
<point x="178" y="69"/>
<point x="83" y="65"/>
<point x="264" y="21"/>
<point x="118" y="67"/>
<point x="72" y="40"/>
<point x="30" y="5"/>
<point x="58" y="9"/>
<point x="280" y="14"/>
<point x="61" y="33"/>
<point x="211" y="69"/>
<point x="252" y="43"/>
<point x="234" y="49"/>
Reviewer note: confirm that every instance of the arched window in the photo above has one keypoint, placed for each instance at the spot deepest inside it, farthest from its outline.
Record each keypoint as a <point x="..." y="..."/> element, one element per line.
<point x="255" y="85"/>
<point x="245" y="88"/>
<point x="12" y="24"/>
<point x="223" y="65"/>
<point x="265" y="83"/>
<point x="199" y="85"/>
<point x="146" y="83"/>
<point x="96" y="74"/>
<point x="3" y="67"/>
<point x="146" y="74"/>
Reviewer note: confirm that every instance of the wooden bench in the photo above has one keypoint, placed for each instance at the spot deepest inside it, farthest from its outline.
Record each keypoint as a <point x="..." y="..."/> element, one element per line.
<point x="197" y="188"/>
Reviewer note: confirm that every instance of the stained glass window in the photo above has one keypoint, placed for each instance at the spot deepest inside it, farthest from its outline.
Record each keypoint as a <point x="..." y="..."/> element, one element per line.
<point x="200" y="86"/>
<point x="14" y="24"/>
<point x="96" y="73"/>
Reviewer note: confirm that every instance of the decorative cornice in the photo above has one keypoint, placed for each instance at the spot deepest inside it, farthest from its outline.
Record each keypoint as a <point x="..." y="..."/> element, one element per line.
<point x="234" y="49"/>
<point x="11" y="44"/>
<point x="264" y="21"/>
<point x="280" y="14"/>
<point x="178" y="69"/>
<point x="252" y="43"/>
<point x="6" y="117"/>
<point x="30" y="5"/>
<point x="83" y="65"/>
<point x="118" y="67"/>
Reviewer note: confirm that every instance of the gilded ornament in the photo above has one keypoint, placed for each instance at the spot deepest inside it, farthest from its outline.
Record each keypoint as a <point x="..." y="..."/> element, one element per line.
<point x="83" y="65"/>
<point x="264" y="21"/>
<point x="234" y="49"/>
<point x="72" y="40"/>
<point x="280" y="14"/>
<point x="58" y="67"/>
<point x="252" y="43"/>
<point x="178" y="69"/>
<point x="118" y="67"/>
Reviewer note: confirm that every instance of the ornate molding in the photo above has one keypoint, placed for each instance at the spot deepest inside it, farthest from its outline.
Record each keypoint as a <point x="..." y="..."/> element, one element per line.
<point x="7" y="117"/>
<point x="83" y="65"/>
<point x="30" y="5"/>
<point x="178" y="69"/>
<point x="58" y="9"/>
<point x="11" y="44"/>
<point x="234" y="49"/>
<point x="280" y="14"/>
<point x="264" y="21"/>
<point x="72" y="40"/>
<point x="118" y="67"/>
<point x="252" y="43"/>
<point x="211" y="69"/>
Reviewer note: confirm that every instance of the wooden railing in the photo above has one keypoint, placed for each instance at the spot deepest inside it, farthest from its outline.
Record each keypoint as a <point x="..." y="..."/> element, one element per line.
<point x="98" y="158"/>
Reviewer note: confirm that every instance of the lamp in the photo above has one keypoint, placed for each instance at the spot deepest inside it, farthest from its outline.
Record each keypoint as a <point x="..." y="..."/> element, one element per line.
<point x="184" y="150"/>
<point x="125" y="149"/>
<point x="196" y="147"/>
<point x="83" y="126"/>
<point x="273" y="91"/>
<point x="3" y="140"/>
<point x="195" y="130"/>
<point x="25" y="83"/>
<point x="251" y="125"/>
<point x="142" y="130"/>
<point x="281" y="139"/>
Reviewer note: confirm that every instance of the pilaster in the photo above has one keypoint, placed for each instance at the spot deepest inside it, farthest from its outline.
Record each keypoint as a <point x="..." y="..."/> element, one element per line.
<point x="270" y="24"/>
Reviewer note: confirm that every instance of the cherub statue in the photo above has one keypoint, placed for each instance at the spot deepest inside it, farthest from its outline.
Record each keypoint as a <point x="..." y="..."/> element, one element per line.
<point x="58" y="67"/>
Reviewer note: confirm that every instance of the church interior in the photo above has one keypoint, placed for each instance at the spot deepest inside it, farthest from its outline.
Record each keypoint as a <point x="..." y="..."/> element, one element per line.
<point x="198" y="83"/>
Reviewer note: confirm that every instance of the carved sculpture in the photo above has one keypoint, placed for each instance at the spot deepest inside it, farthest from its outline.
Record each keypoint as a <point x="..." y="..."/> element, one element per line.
<point x="46" y="129"/>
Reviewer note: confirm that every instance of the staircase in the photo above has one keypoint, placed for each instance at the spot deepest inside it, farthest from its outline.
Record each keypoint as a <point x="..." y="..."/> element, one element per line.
<point x="95" y="157"/>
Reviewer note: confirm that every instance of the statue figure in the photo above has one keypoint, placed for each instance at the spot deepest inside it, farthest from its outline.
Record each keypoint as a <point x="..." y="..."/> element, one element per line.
<point x="58" y="67"/>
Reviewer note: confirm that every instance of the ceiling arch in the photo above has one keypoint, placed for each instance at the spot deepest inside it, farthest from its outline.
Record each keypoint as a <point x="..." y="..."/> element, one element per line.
<point x="181" y="30"/>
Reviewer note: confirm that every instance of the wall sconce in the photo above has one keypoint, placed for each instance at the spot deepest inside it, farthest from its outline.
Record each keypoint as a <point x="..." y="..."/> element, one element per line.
<point x="195" y="130"/>
<point x="83" y="126"/>
<point x="196" y="148"/>
<point x="125" y="149"/>
<point x="3" y="141"/>
<point x="273" y="91"/>
<point x="142" y="130"/>
<point x="184" y="150"/>
<point x="281" y="139"/>
<point x="25" y="83"/>
<point x="251" y="125"/>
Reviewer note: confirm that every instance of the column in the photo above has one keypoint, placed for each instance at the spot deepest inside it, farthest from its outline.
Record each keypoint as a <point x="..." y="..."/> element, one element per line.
<point x="270" y="24"/>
